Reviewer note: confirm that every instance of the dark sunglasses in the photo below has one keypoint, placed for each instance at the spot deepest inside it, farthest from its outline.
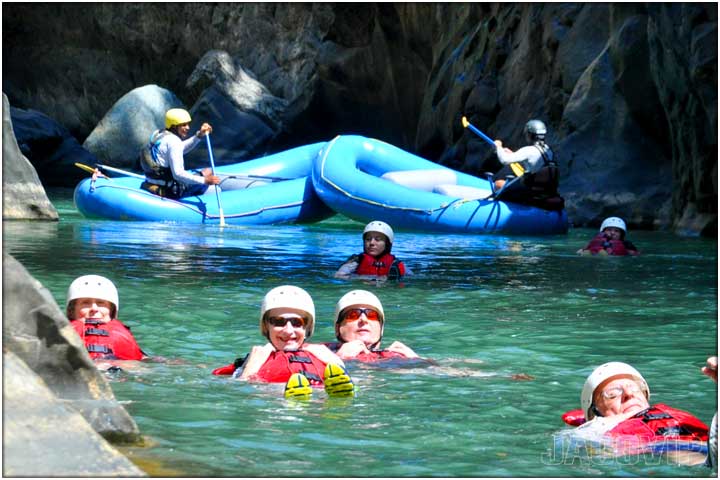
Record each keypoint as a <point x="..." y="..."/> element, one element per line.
<point x="296" y="322"/>
<point x="354" y="314"/>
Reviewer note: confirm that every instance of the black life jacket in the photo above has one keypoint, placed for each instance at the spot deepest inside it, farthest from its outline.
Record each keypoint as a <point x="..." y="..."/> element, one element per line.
<point x="546" y="180"/>
<point x="149" y="159"/>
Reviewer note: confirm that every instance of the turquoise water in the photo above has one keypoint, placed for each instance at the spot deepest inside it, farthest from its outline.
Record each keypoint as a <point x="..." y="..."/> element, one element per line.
<point x="484" y="308"/>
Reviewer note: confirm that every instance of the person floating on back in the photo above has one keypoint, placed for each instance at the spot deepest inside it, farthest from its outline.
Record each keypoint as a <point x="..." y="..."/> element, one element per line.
<point x="359" y="325"/>
<point x="376" y="259"/>
<point x="92" y="308"/>
<point x="532" y="170"/>
<point x="287" y="320"/>
<point x="163" y="159"/>
<point x="610" y="240"/>
<point x="615" y="403"/>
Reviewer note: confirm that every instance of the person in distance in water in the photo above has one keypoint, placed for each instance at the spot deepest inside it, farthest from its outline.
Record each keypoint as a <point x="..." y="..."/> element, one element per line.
<point x="376" y="261"/>
<point x="610" y="240"/>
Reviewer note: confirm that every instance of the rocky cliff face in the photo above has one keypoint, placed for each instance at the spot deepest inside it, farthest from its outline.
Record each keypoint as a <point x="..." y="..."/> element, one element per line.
<point x="629" y="91"/>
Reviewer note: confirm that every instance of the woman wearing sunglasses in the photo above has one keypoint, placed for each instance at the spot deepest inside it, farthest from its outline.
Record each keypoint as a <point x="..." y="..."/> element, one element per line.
<point x="615" y="403"/>
<point x="287" y="320"/>
<point x="359" y="323"/>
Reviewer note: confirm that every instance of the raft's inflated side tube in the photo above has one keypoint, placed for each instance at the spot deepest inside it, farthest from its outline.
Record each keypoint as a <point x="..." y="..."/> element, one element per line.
<point x="273" y="202"/>
<point x="347" y="176"/>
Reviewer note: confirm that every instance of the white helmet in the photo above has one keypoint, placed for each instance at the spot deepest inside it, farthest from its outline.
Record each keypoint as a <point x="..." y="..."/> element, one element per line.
<point x="92" y="286"/>
<point x="357" y="298"/>
<point x="616" y="222"/>
<point x="288" y="296"/>
<point x="380" y="227"/>
<point x="603" y="373"/>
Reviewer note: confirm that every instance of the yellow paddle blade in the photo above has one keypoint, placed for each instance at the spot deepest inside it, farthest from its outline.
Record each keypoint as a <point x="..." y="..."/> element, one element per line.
<point x="517" y="169"/>
<point x="87" y="168"/>
<point x="465" y="122"/>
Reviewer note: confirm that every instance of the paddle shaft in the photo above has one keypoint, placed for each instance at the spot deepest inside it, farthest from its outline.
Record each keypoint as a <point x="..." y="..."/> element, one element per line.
<point x="212" y="167"/>
<point x="477" y="132"/>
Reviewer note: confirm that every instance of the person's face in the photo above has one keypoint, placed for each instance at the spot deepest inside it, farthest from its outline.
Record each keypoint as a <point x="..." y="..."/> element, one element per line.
<point x="92" y="309"/>
<point x="286" y="328"/>
<point x="357" y="324"/>
<point x="614" y="233"/>
<point x="619" y="395"/>
<point x="183" y="130"/>
<point x="375" y="243"/>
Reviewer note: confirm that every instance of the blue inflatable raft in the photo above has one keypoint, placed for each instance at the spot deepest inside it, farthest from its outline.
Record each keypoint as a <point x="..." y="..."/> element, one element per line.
<point x="269" y="190"/>
<point x="366" y="179"/>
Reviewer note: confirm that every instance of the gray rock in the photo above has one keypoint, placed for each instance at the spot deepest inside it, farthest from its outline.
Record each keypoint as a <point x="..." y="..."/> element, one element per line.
<point x="37" y="427"/>
<point x="219" y="70"/>
<point x="127" y="126"/>
<point x="24" y="197"/>
<point x="36" y="331"/>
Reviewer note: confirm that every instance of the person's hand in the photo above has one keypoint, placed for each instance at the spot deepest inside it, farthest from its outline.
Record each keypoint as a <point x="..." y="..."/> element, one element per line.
<point x="212" y="180"/>
<point x="401" y="348"/>
<point x="352" y="349"/>
<point x="710" y="369"/>
<point x="205" y="128"/>
<point x="582" y="251"/>
<point x="498" y="144"/>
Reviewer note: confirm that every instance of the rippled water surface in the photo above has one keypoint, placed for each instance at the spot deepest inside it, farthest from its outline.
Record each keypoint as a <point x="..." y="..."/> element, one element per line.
<point x="484" y="308"/>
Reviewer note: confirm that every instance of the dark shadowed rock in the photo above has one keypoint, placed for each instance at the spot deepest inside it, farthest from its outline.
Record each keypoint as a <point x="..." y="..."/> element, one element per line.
<point x="127" y="127"/>
<point x="24" y="197"/>
<point x="50" y="147"/>
<point x="237" y="135"/>
<point x="44" y="437"/>
<point x="37" y="332"/>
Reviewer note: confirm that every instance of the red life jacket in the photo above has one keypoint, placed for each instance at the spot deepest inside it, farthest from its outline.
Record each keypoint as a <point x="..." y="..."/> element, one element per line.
<point x="386" y="266"/>
<point x="613" y="247"/>
<point x="280" y="365"/>
<point x="111" y="340"/>
<point x="371" y="357"/>
<point x="662" y="422"/>
<point x="656" y="423"/>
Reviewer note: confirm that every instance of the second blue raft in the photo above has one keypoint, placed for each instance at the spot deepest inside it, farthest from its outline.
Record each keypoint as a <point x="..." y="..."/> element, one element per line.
<point x="367" y="179"/>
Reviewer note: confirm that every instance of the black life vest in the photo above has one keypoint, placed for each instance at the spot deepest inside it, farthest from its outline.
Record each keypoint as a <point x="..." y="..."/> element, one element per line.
<point x="149" y="159"/>
<point x="546" y="180"/>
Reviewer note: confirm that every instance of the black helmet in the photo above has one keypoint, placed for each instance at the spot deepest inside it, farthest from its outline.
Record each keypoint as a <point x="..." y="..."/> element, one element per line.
<point x="535" y="129"/>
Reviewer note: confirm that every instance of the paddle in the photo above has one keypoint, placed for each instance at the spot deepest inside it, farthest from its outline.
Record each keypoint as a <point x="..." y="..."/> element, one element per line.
<point x="517" y="169"/>
<point x="90" y="169"/>
<point x="212" y="166"/>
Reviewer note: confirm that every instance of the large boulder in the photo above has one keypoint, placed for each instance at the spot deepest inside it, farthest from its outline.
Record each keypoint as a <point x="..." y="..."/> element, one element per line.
<point x="37" y="332"/>
<point x="24" y="197"/>
<point x="44" y="437"/>
<point x="126" y="127"/>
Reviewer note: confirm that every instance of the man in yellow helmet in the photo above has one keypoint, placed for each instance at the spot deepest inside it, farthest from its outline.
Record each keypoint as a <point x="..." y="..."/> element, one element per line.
<point x="163" y="159"/>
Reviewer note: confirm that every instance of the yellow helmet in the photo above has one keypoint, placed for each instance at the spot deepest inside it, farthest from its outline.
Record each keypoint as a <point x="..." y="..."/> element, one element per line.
<point x="176" y="116"/>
